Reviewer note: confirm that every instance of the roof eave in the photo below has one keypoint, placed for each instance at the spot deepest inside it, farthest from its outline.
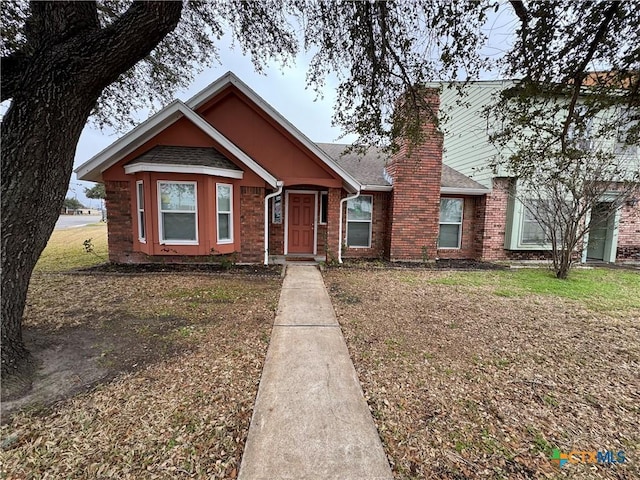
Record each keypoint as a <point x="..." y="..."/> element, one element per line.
<point x="92" y="169"/>
<point x="463" y="191"/>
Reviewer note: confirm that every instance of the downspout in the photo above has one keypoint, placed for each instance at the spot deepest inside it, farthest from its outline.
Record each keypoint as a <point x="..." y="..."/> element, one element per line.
<point x="342" y="202"/>
<point x="280" y="185"/>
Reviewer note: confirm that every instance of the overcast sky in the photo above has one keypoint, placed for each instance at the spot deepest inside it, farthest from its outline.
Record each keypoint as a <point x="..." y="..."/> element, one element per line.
<point x="284" y="89"/>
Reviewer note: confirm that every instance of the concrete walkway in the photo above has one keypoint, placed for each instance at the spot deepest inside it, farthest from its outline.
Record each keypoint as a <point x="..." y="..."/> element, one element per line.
<point x="310" y="419"/>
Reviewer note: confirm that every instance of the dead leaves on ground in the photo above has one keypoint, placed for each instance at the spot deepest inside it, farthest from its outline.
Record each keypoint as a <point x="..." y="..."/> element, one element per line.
<point x="463" y="383"/>
<point x="185" y="417"/>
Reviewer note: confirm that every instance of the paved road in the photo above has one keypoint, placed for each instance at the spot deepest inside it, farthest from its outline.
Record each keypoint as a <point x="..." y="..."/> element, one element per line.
<point x="72" y="221"/>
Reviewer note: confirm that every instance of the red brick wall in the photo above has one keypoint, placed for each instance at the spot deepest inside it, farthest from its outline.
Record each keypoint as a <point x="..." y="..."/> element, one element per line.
<point x="120" y="223"/>
<point x="379" y="229"/>
<point x="251" y="224"/>
<point x="333" y="224"/>
<point x="415" y="202"/>
<point x="629" y="233"/>
<point x="493" y="226"/>
<point x="470" y="226"/>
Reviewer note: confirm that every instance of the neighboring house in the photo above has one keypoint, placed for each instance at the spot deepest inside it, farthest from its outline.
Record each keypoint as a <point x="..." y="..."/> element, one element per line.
<point x="225" y="173"/>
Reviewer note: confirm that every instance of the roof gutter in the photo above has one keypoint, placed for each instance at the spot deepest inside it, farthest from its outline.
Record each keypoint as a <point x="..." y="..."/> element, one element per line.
<point x="464" y="191"/>
<point x="342" y="202"/>
<point x="280" y="185"/>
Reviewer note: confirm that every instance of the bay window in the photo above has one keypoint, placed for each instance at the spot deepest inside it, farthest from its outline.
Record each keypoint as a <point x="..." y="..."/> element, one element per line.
<point x="224" y="206"/>
<point x="142" y="236"/>
<point x="178" y="218"/>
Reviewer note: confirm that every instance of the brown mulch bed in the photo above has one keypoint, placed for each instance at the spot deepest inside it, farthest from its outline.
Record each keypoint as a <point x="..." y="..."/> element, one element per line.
<point x="184" y="268"/>
<point x="440" y="264"/>
<point x="177" y="361"/>
<point x="467" y="384"/>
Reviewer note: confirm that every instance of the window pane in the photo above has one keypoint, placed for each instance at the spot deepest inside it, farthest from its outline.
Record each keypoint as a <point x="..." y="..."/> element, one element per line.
<point x="141" y="224"/>
<point x="179" y="226"/>
<point x="358" y="234"/>
<point x="324" y="203"/>
<point x="140" y="197"/>
<point x="359" y="208"/>
<point x="224" y="227"/>
<point x="224" y="198"/>
<point x="532" y="232"/>
<point x="178" y="196"/>
<point x="277" y="209"/>
<point x="449" y="236"/>
<point x="451" y="210"/>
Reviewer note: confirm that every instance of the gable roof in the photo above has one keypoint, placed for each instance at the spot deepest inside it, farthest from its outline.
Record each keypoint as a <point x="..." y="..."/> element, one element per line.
<point x="202" y="97"/>
<point x="92" y="169"/>
<point x="369" y="170"/>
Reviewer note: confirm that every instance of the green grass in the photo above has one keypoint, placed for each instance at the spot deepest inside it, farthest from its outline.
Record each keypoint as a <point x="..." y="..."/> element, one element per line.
<point x="599" y="289"/>
<point x="65" y="249"/>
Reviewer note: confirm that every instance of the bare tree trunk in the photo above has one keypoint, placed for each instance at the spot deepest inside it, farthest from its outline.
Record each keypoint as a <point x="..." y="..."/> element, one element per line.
<point x="53" y="92"/>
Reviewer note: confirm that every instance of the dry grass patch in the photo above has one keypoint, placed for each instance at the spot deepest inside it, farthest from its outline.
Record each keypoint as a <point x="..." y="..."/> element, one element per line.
<point x="191" y="349"/>
<point x="66" y="249"/>
<point x="482" y="375"/>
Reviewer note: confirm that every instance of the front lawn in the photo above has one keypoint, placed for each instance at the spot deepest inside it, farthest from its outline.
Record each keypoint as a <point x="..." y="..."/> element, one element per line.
<point x="173" y="363"/>
<point x="484" y="374"/>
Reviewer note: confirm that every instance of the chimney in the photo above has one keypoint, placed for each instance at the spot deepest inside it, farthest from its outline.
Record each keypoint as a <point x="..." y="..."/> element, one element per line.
<point x="415" y="171"/>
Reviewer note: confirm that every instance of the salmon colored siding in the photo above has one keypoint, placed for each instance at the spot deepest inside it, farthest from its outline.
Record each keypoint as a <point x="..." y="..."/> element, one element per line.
<point x="266" y="142"/>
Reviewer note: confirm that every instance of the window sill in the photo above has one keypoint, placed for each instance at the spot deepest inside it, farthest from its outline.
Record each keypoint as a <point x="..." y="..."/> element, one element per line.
<point x="177" y="242"/>
<point x="224" y="242"/>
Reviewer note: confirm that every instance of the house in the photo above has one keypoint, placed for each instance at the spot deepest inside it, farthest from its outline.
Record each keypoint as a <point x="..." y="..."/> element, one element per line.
<point x="225" y="173"/>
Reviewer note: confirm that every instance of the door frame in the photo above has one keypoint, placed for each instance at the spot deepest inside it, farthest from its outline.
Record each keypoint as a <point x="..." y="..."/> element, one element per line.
<point x="315" y="219"/>
<point x="611" y="240"/>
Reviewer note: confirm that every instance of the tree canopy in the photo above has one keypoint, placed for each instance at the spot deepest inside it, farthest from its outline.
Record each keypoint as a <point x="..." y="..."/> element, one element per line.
<point x="95" y="192"/>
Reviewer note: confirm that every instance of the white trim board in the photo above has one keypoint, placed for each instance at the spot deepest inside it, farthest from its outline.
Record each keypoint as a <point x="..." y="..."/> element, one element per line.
<point x="176" y="168"/>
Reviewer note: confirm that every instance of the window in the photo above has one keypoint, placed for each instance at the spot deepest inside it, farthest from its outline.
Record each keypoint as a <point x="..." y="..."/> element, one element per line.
<point x="450" y="222"/>
<point x="324" y="203"/>
<point x="359" y="221"/>
<point x="532" y="232"/>
<point x="140" y="205"/>
<point x="276" y="210"/>
<point x="224" y="208"/>
<point x="178" y="215"/>
<point x="624" y="142"/>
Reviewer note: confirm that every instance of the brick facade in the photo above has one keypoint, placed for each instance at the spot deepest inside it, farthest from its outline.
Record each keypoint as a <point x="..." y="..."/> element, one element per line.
<point x="379" y="229"/>
<point x="470" y="227"/>
<point x="629" y="233"/>
<point x="251" y="224"/>
<point x="415" y="201"/>
<point x="120" y="224"/>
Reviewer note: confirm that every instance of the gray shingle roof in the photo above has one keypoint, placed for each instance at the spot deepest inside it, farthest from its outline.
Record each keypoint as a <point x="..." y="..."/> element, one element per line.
<point x="369" y="169"/>
<point x="201" y="156"/>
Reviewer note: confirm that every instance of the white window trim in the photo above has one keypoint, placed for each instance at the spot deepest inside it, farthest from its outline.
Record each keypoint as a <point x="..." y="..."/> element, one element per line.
<point x="142" y="238"/>
<point x="370" y="222"/>
<point x="224" y="241"/>
<point x="452" y="223"/>
<point x="160" y="212"/>
<point x="273" y="209"/>
<point x="320" y="209"/>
